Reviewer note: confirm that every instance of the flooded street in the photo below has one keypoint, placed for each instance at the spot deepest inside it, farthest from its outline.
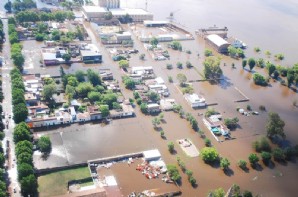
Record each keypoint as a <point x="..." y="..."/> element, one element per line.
<point x="270" y="25"/>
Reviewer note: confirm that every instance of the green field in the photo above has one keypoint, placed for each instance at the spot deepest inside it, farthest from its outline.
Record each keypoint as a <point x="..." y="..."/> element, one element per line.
<point x="55" y="183"/>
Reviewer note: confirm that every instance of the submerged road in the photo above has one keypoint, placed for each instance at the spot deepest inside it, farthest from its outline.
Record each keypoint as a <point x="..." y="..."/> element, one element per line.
<point x="7" y="109"/>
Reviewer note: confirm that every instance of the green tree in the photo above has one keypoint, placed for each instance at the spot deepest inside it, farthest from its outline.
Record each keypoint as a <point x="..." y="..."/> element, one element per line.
<point x="48" y="91"/>
<point x="231" y="123"/>
<point x="212" y="68"/>
<point x="224" y="163"/>
<point x="66" y="57"/>
<point x="209" y="154"/>
<point x="154" y="41"/>
<point x="144" y="108"/>
<point x="129" y="83"/>
<point x="208" y="53"/>
<point x="179" y="65"/>
<point x="261" y="144"/>
<point x="173" y="172"/>
<point x="259" y="79"/>
<point x="84" y="88"/>
<point x="242" y="164"/>
<point x="275" y="126"/>
<point x="39" y="37"/>
<point x="251" y="63"/>
<point x="266" y="157"/>
<point x="24" y="146"/>
<point x="171" y="147"/>
<point x="220" y="192"/>
<point x="153" y="96"/>
<point x="247" y="194"/>
<point x="155" y="122"/>
<point x="253" y="159"/>
<point x="176" y="45"/>
<point x="21" y="134"/>
<point x="182" y="79"/>
<point x="104" y="109"/>
<point x="80" y="75"/>
<point x="2" y="160"/>
<point x="124" y="64"/>
<point x="93" y="77"/>
<point x="271" y="68"/>
<point x="109" y="99"/>
<point x="25" y="158"/>
<point x="72" y="81"/>
<point x="20" y="112"/>
<point x="94" y="96"/>
<point x="28" y="185"/>
<point x="116" y="106"/>
<point x="278" y="154"/>
<point x="18" y="60"/>
<point x="24" y="170"/>
<point x="8" y="6"/>
<point x="44" y="144"/>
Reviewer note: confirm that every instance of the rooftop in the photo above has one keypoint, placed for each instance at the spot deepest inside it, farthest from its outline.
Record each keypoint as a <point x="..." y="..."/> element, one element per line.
<point x="130" y="11"/>
<point x="94" y="9"/>
<point x="217" y="40"/>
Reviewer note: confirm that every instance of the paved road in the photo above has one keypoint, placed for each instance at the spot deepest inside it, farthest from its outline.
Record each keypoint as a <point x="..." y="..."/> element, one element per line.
<point x="7" y="108"/>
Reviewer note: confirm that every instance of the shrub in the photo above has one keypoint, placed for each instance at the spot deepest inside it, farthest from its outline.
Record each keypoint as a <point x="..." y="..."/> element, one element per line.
<point x="266" y="157"/>
<point x="207" y="142"/>
<point x="289" y="153"/>
<point x="242" y="164"/>
<point x="209" y="154"/>
<point x="170" y="79"/>
<point x="253" y="159"/>
<point x="173" y="172"/>
<point x="224" y="163"/>
<point x="169" y="66"/>
<point x="259" y="79"/>
<point x="171" y="147"/>
<point x="262" y="144"/>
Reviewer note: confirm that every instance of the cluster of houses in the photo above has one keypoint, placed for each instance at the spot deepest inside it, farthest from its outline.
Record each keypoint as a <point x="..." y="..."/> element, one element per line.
<point x="157" y="52"/>
<point x="151" y="83"/>
<point x="40" y="115"/>
<point x="53" y="54"/>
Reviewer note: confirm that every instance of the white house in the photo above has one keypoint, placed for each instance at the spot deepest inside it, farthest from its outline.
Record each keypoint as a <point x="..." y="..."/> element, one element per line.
<point x="195" y="100"/>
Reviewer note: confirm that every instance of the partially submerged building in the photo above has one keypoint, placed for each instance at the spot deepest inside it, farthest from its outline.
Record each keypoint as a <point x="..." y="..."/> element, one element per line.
<point x="218" y="43"/>
<point x="195" y="100"/>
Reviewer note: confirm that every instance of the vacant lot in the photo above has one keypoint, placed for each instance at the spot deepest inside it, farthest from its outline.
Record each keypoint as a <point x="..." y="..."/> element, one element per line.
<point x="55" y="183"/>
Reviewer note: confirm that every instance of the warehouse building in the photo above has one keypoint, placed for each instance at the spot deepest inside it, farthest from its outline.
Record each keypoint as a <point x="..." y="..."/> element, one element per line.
<point x="218" y="43"/>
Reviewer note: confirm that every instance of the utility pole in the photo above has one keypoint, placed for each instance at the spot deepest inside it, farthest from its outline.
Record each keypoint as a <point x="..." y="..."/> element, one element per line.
<point x="146" y="5"/>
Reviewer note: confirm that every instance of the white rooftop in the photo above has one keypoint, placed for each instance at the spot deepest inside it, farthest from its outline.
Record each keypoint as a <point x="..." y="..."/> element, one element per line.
<point x="217" y="40"/>
<point x="130" y="11"/>
<point x="194" y="98"/>
<point x="94" y="9"/>
<point x="151" y="154"/>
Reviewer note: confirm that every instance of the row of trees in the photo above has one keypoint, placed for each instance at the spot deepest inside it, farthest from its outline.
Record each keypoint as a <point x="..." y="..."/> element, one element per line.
<point x="2" y="173"/>
<point x="32" y="16"/>
<point x="24" y="152"/>
<point x="19" y="5"/>
<point x="2" y="35"/>
<point x="12" y="33"/>
<point x="18" y="100"/>
<point x="235" y="191"/>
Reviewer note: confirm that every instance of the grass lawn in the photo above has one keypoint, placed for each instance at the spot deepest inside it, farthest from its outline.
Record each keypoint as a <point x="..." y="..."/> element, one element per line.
<point x="55" y="183"/>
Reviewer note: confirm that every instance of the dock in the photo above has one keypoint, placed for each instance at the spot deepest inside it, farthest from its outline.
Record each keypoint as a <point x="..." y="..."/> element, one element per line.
<point x="241" y="100"/>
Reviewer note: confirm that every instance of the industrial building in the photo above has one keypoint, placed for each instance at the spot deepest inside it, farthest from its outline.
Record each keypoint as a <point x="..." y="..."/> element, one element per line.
<point x="218" y="43"/>
<point x="109" y="4"/>
<point x="95" y="13"/>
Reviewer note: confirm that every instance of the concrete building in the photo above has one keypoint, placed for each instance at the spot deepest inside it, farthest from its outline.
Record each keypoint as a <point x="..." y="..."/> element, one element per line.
<point x="94" y="13"/>
<point x="90" y="54"/>
<point x="110" y="4"/>
<point x="218" y="43"/>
